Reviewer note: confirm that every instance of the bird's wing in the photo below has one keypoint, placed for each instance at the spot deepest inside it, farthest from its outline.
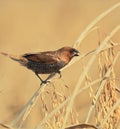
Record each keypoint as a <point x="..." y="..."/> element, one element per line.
<point x="42" y="57"/>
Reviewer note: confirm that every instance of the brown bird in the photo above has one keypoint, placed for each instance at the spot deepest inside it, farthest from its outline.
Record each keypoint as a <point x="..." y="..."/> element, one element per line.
<point x="48" y="62"/>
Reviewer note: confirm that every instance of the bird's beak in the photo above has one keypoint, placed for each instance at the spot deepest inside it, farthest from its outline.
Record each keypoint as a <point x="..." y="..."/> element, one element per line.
<point x="76" y="53"/>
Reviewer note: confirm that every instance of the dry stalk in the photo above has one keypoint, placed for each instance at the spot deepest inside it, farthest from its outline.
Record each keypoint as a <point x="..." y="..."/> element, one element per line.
<point x="27" y="108"/>
<point x="108" y="96"/>
<point x="50" y="115"/>
<point x="92" y="24"/>
<point x="57" y="119"/>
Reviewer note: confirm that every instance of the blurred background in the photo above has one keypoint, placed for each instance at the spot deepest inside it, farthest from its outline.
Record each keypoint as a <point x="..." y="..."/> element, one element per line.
<point x="40" y="25"/>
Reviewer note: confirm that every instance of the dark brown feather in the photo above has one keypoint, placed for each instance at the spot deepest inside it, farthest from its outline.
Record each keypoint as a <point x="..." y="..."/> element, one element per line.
<point x="42" y="57"/>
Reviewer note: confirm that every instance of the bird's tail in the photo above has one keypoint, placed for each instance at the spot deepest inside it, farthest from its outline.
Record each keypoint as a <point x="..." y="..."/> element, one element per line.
<point x="13" y="57"/>
<point x="20" y="59"/>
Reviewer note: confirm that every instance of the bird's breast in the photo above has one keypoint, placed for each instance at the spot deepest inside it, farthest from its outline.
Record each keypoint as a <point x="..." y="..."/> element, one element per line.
<point x="44" y="68"/>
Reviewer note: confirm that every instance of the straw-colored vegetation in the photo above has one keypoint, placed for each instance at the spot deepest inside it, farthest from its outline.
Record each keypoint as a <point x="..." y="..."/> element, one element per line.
<point x="60" y="112"/>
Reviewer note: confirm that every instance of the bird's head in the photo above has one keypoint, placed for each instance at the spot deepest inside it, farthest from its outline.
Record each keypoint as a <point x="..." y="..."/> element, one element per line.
<point x="68" y="53"/>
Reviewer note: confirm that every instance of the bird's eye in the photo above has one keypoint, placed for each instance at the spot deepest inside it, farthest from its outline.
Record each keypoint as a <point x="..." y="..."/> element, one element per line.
<point x="72" y="51"/>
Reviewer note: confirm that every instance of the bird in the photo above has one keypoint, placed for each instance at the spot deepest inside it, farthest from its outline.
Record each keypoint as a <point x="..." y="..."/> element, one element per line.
<point x="46" y="62"/>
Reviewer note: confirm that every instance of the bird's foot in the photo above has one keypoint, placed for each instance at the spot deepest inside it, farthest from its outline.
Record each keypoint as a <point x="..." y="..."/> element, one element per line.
<point x="44" y="82"/>
<point x="59" y="74"/>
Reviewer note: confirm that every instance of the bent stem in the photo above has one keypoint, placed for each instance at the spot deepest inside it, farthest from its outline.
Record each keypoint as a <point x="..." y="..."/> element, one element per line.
<point x="27" y="108"/>
<point x="88" y="66"/>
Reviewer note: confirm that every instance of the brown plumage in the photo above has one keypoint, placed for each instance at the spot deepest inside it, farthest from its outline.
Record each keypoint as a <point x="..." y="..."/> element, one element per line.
<point x="49" y="62"/>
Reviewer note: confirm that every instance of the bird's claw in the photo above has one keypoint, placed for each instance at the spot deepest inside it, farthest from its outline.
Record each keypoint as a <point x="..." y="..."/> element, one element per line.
<point x="59" y="74"/>
<point x="44" y="82"/>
